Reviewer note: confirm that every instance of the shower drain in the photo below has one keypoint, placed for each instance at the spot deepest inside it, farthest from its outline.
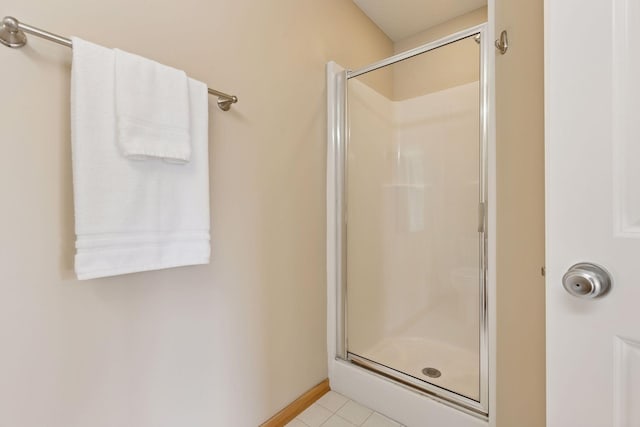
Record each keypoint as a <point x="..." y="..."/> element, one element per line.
<point x="432" y="372"/>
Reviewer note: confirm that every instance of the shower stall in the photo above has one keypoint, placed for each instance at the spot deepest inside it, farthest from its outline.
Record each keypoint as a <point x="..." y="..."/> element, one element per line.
<point x="407" y="221"/>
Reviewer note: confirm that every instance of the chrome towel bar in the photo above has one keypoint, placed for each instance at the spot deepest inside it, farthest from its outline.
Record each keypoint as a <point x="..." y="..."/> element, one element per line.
<point x="12" y="34"/>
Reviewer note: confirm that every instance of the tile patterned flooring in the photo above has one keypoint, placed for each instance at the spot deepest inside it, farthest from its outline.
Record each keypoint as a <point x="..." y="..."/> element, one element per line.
<point x="336" y="410"/>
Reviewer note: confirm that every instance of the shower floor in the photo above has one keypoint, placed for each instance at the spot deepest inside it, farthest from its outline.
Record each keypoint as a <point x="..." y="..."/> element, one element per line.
<point x="459" y="367"/>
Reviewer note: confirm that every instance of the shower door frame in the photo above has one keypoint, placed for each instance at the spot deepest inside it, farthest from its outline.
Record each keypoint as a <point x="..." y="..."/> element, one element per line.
<point x="339" y="136"/>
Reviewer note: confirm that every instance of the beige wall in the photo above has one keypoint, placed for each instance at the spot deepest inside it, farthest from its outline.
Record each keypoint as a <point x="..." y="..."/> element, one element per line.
<point x="226" y="344"/>
<point x="452" y="65"/>
<point x="520" y="389"/>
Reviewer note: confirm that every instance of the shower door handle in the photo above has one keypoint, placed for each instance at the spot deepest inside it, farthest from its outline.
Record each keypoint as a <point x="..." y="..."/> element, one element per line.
<point x="481" y="217"/>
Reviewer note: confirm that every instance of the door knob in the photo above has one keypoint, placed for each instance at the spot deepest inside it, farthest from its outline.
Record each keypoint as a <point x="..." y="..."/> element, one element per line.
<point x="586" y="280"/>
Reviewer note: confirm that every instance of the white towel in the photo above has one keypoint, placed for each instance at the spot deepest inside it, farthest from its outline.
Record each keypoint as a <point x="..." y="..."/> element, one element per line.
<point x="152" y="109"/>
<point x="132" y="216"/>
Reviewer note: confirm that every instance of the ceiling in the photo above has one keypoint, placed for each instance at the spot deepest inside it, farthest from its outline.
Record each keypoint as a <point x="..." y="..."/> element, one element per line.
<point x="402" y="18"/>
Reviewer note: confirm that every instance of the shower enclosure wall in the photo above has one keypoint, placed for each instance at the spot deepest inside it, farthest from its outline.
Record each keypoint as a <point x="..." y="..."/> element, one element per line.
<point x="407" y="226"/>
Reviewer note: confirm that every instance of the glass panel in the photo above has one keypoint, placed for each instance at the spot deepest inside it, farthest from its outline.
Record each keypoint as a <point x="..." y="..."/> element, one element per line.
<point x="413" y="187"/>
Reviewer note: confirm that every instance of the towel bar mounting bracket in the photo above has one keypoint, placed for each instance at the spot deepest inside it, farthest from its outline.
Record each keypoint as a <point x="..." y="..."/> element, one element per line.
<point x="10" y="34"/>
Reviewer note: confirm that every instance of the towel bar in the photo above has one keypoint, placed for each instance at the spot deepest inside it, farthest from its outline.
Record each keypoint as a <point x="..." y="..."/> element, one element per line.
<point x="12" y="34"/>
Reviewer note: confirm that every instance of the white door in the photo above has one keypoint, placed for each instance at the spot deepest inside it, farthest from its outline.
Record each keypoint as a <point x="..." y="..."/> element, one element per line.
<point x="593" y="210"/>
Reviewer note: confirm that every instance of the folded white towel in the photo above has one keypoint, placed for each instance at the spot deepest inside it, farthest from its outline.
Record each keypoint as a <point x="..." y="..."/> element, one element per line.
<point x="152" y="109"/>
<point x="132" y="216"/>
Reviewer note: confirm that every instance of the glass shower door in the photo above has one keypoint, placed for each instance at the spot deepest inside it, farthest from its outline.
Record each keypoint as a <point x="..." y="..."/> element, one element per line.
<point x="414" y="197"/>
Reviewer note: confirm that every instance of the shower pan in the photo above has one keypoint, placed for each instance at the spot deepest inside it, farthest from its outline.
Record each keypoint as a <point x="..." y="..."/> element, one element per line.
<point x="407" y="220"/>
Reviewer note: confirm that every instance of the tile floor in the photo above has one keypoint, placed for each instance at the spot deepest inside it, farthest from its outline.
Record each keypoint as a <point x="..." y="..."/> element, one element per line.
<point x="336" y="410"/>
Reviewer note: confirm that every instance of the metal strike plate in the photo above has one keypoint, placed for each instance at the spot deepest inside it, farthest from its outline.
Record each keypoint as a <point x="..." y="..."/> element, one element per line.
<point x="586" y="280"/>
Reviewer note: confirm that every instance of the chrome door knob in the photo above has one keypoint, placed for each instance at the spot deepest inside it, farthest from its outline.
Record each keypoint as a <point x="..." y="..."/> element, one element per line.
<point x="586" y="280"/>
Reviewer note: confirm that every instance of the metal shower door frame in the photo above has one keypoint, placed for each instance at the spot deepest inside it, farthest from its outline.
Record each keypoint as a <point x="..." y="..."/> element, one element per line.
<point x="340" y="137"/>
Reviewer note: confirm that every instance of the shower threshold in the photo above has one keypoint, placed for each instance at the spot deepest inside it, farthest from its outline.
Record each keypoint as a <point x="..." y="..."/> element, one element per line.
<point x="440" y="394"/>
